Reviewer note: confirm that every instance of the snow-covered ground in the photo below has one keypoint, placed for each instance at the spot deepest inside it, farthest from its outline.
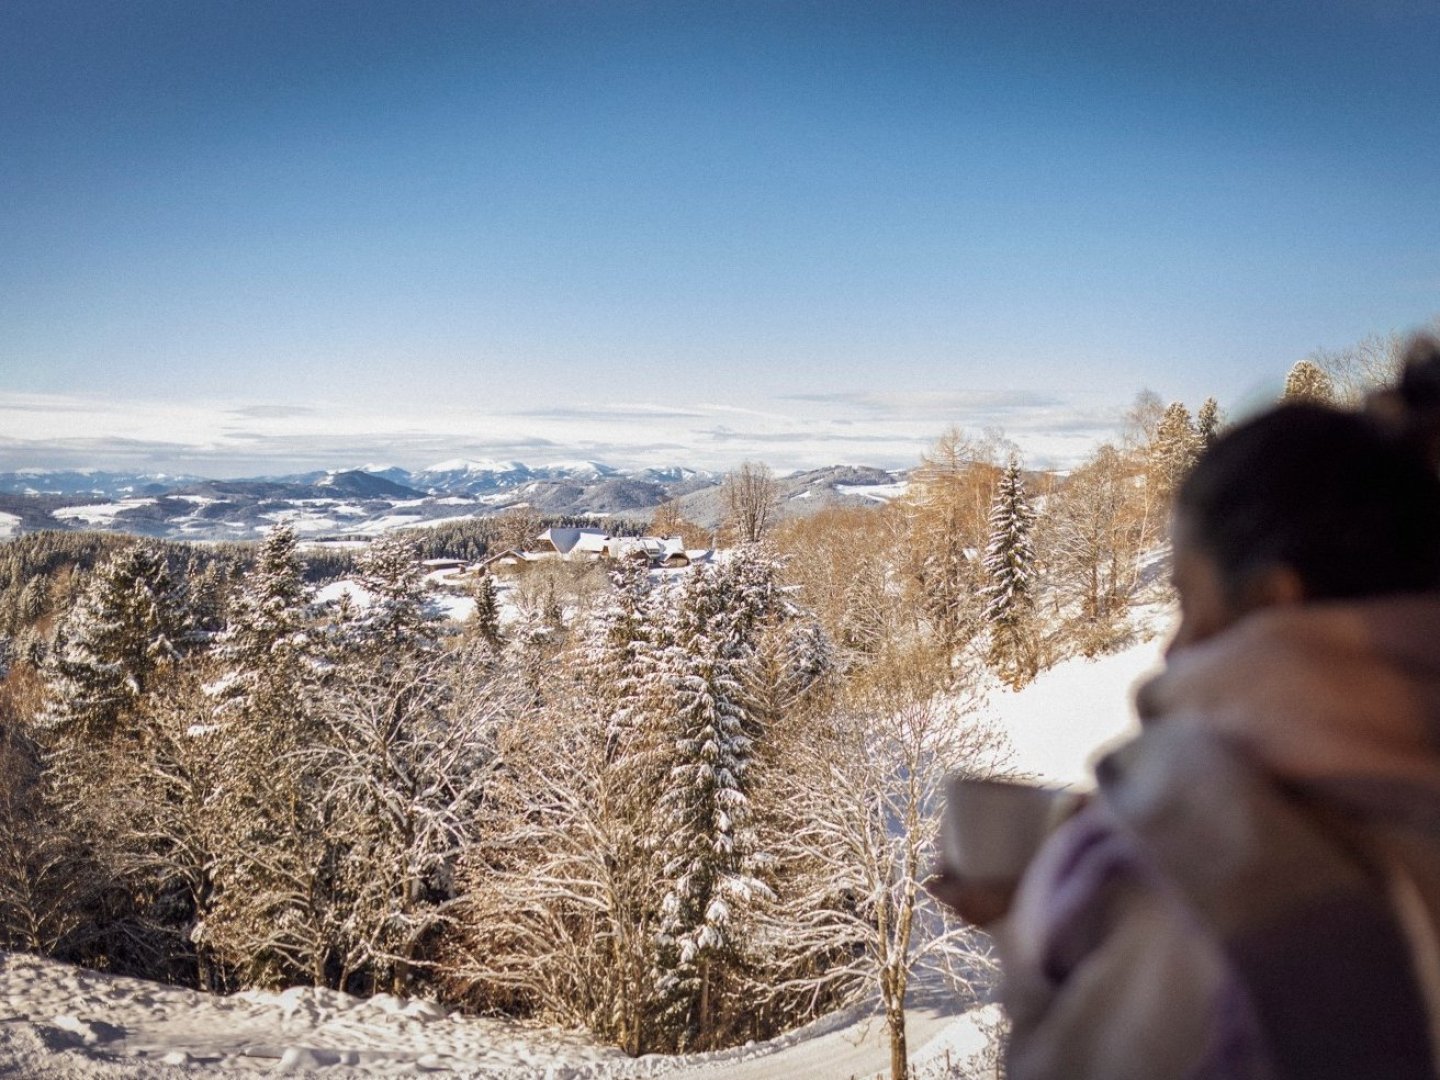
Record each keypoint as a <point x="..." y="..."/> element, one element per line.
<point x="882" y="493"/>
<point x="8" y="525"/>
<point x="100" y="513"/>
<point x="62" y="1021"/>
<point x="1062" y="720"/>
<point x="59" y="1021"/>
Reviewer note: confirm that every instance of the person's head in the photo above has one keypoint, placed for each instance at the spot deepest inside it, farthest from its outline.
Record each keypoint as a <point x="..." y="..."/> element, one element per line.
<point x="1308" y="502"/>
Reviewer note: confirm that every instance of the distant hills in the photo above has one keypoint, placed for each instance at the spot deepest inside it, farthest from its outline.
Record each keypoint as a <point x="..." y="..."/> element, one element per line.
<point x="356" y="503"/>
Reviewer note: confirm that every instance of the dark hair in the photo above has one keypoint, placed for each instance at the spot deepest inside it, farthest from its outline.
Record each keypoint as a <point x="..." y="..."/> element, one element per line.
<point x="1348" y="500"/>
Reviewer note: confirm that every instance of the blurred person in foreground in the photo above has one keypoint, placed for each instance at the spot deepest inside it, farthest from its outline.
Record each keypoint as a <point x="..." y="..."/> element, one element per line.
<point x="1253" y="890"/>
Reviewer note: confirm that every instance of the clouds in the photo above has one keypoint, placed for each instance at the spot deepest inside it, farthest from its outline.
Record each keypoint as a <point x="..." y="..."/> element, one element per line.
<point x="790" y="432"/>
<point x="273" y="412"/>
<point x="933" y="402"/>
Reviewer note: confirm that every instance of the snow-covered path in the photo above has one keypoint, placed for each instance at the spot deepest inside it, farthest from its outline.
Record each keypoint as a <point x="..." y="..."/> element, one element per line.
<point x="851" y="1043"/>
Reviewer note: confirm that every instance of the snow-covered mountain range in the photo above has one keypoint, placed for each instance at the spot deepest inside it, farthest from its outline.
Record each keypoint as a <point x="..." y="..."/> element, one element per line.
<point x="364" y="502"/>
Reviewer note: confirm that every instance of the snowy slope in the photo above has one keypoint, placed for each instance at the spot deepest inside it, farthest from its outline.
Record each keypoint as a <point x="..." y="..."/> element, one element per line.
<point x="61" y="1021"/>
<point x="1071" y="712"/>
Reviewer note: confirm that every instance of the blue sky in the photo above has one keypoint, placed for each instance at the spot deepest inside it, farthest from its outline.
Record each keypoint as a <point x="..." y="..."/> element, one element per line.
<point x="242" y="234"/>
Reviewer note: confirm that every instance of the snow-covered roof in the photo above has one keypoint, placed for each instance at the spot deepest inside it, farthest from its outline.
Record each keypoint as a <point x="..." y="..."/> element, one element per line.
<point x="568" y="540"/>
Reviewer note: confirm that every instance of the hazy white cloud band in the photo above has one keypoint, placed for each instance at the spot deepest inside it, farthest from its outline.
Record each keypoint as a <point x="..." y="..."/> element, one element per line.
<point x="800" y="431"/>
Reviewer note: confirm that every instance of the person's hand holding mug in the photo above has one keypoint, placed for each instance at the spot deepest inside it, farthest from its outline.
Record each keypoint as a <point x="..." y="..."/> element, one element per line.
<point x="990" y="832"/>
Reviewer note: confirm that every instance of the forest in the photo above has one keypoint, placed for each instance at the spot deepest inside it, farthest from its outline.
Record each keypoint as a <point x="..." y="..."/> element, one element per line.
<point x="678" y="809"/>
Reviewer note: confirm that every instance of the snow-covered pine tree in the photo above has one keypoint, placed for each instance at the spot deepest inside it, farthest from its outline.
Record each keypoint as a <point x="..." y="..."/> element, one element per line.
<point x="790" y="663"/>
<point x="272" y="919"/>
<point x="1307" y="381"/>
<point x="531" y="655"/>
<point x="618" y="655"/>
<point x="484" y="621"/>
<point x="1207" y="423"/>
<point x="130" y="624"/>
<point x="1010" y="594"/>
<point x="753" y="575"/>
<point x="401" y="617"/>
<point x="35" y="598"/>
<point x="115" y="668"/>
<point x="1173" y="450"/>
<point x="708" y="855"/>
<point x="809" y="658"/>
<point x="265" y="648"/>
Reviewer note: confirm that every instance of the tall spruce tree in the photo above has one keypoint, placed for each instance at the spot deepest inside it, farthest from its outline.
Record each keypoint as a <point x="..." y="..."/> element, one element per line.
<point x="272" y="918"/>
<point x="131" y="623"/>
<point x="618" y="657"/>
<point x="1010" y="594"/>
<point x="265" y="648"/>
<point x="1207" y="423"/>
<point x="708" y="855"/>
<point x="484" y="622"/>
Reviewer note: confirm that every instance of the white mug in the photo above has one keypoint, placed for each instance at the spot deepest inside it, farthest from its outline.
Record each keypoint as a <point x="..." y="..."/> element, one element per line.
<point x="993" y="828"/>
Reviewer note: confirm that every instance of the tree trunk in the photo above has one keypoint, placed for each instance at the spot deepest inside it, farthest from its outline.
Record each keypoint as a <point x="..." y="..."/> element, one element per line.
<point x="704" y="1005"/>
<point x="899" y="1055"/>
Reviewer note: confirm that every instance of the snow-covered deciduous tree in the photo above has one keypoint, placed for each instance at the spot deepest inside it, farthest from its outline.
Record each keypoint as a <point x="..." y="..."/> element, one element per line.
<point x="1367" y="365"/>
<point x="843" y="566"/>
<point x="1010" y="593"/>
<point x="853" y="840"/>
<point x="751" y="499"/>
<point x="1308" y="381"/>
<point x="518" y="528"/>
<point x="948" y="505"/>
<point x="562" y="898"/>
<point x="45" y="878"/>
<point x="1094" y="529"/>
<point x="559" y="895"/>
<point x="399" y="766"/>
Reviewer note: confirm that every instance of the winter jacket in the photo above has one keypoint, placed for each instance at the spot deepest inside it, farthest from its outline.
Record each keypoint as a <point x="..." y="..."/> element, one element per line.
<point x="1254" y="890"/>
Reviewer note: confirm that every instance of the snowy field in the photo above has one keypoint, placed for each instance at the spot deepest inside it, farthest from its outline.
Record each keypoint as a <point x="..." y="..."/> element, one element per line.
<point x="100" y="514"/>
<point x="8" y="524"/>
<point x="59" y="1021"/>
<point x="881" y="493"/>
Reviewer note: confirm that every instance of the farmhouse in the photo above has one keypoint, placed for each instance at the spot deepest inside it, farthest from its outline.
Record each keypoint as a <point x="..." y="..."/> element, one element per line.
<point x="571" y="541"/>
